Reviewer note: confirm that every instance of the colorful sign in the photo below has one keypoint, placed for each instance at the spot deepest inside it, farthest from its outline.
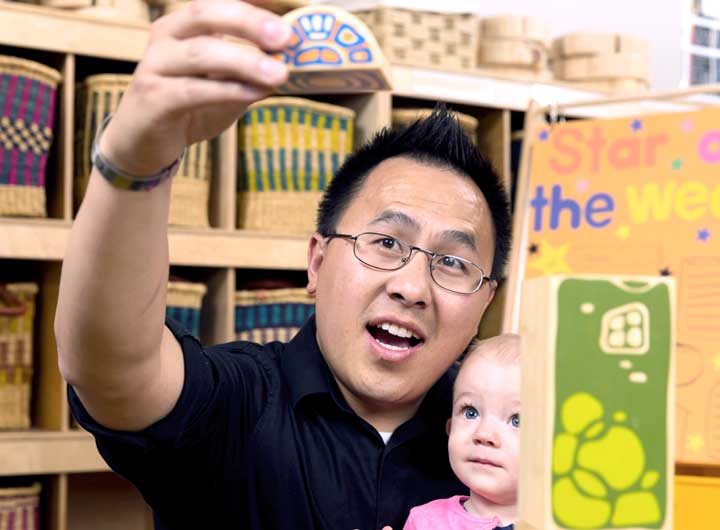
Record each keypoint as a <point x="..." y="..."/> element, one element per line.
<point x="641" y="195"/>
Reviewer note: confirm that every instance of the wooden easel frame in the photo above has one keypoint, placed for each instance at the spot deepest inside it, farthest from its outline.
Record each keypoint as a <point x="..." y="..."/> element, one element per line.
<point x="535" y="119"/>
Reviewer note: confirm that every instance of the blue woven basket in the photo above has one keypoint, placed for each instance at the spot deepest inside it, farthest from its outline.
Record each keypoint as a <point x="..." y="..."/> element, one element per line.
<point x="184" y="301"/>
<point x="266" y="315"/>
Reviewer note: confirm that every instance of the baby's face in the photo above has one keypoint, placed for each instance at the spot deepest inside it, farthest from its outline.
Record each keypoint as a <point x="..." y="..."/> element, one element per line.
<point x="484" y="428"/>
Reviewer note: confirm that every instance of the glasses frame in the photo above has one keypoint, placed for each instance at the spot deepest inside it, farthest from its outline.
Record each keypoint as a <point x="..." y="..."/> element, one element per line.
<point x="405" y="260"/>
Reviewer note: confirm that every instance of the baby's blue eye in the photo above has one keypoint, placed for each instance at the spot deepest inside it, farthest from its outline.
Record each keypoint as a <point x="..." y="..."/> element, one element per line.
<point x="515" y="420"/>
<point x="470" y="413"/>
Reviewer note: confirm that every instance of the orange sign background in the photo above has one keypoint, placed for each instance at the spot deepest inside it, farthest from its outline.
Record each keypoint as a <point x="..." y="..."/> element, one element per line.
<point x="642" y="196"/>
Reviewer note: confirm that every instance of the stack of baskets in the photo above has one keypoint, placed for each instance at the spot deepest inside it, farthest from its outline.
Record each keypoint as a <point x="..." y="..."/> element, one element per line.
<point x="445" y="41"/>
<point x="514" y="45"/>
<point x="17" y="313"/>
<point x="20" y="508"/>
<point x="115" y="10"/>
<point x="613" y="63"/>
<point x="290" y="148"/>
<point x="184" y="301"/>
<point x="266" y="315"/>
<point x="405" y="117"/>
<point x="98" y="97"/>
<point x="27" y="110"/>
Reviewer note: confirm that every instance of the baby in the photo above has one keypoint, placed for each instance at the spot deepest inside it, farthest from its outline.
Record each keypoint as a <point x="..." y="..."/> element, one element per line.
<point x="484" y="441"/>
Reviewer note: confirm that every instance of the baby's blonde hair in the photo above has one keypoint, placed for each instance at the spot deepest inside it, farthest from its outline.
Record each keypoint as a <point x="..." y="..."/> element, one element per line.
<point x="503" y="348"/>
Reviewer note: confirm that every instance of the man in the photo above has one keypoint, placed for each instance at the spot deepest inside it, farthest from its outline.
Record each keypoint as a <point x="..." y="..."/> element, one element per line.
<point x="334" y="429"/>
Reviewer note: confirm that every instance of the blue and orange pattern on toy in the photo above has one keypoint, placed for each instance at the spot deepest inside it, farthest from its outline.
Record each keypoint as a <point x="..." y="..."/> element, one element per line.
<point x="319" y="39"/>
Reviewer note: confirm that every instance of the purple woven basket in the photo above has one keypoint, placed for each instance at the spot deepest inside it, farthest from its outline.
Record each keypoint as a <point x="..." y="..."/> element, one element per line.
<point x="27" y="109"/>
<point x="20" y="508"/>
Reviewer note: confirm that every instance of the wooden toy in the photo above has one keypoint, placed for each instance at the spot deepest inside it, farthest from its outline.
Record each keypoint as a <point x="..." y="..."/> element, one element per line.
<point x="117" y="10"/>
<point x="602" y="66"/>
<point x="515" y="27"/>
<point x="528" y="53"/>
<point x="332" y="51"/>
<point x="597" y="403"/>
<point x="579" y="44"/>
<point x="426" y="39"/>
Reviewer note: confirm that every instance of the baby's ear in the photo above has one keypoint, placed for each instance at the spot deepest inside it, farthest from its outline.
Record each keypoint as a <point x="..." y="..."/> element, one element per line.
<point x="448" y="424"/>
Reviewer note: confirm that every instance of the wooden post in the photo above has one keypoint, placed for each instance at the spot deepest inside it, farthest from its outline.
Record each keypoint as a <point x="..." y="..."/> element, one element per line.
<point x="511" y="311"/>
<point x="597" y="433"/>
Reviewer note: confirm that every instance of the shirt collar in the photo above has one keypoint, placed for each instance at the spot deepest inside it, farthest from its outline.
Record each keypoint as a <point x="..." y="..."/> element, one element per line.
<point x="305" y="369"/>
<point x="307" y="373"/>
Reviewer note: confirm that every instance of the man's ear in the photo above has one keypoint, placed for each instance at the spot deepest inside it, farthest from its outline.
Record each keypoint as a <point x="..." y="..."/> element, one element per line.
<point x="315" y="257"/>
<point x="448" y="425"/>
<point x="493" y="289"/>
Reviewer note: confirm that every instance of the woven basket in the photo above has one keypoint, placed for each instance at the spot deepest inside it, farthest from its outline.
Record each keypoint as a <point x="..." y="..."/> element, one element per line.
<point x="27" y="110"/>
<point x="405" y="117"/>
<point x="184" y="300"/>
<point x="266" y="315"/>
<point x="289" y="151"/>
<point x="17" y="312"/>
<point x="446" y="41"/>
<point x="97" y="97"/>
<point x="20" y="508"/>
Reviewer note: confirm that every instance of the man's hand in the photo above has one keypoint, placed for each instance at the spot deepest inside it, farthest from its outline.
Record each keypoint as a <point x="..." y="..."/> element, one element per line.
<point x="191" y="84"/>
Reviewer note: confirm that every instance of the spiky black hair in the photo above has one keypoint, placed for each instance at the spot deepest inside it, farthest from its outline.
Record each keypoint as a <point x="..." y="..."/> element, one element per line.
<point x="437" y="140"/>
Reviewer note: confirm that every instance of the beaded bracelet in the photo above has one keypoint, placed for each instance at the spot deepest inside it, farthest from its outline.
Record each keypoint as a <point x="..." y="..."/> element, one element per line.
<point x="120" y="179"/>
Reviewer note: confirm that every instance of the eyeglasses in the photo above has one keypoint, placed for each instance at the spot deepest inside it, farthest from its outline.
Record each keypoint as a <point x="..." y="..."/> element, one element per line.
<point x="387" y="253"/>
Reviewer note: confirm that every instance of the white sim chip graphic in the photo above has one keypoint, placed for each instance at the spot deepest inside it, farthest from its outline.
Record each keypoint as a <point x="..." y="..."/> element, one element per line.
<point x="626" y="330"/>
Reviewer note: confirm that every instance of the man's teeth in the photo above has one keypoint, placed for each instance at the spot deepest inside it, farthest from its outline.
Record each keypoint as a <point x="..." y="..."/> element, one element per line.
<point x="398" y="331"/>
<point x="390" y="346"/>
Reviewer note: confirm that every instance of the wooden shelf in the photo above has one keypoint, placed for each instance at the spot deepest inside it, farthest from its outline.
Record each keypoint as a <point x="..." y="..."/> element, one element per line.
<point x="46" y="239"/>
<point x="56" y="30"/>
<point x="45" y="452"/>
<point x="481" y="90"/>
<point x="45" y="28"/>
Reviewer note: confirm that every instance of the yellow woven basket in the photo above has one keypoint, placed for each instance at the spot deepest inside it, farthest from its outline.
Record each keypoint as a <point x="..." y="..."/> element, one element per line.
<point x="17" y="312"/>
<point x="405" y="117"/>
<point x="97" y="97"/>
<point x="20" y="508"/>
<point x="28" y="93"/>
<point x="184" y="301"/>
<point x="266" y="315"/>
<point x="445" y="41"/>
<point x="289" y="151"/>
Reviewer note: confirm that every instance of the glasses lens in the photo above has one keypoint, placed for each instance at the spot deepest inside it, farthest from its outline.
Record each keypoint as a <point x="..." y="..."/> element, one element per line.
<point x="381" y="251"/>
<point x="456" y="274"/>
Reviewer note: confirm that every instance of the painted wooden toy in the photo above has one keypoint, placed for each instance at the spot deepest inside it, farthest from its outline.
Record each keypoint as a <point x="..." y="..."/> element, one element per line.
<point x="597" y="393"/>
<point x="332" y="51"/>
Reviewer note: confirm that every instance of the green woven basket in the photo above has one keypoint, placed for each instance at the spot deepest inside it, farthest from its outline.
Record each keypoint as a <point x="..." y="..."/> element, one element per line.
<point x="290" y="148"/>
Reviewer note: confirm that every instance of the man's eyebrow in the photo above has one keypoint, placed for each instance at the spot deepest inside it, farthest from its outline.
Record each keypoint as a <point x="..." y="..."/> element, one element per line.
<point x="396" y="217"/>
<point x="465" y="239"/>
<point x="461" y="237"/>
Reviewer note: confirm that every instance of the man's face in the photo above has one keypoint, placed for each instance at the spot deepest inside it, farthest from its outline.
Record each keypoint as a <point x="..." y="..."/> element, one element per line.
<point x="433" y="208"/>
<point x="484" y="428"/>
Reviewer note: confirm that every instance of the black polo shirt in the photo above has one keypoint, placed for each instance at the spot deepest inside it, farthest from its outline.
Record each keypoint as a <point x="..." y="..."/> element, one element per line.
<point x="262" y="438"/>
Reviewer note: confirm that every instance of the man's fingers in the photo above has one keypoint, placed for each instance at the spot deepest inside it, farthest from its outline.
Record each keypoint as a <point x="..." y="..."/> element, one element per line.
<point x="217" y="59"/>
<point x="189" y="93"/>
<point x="226" y="17"/>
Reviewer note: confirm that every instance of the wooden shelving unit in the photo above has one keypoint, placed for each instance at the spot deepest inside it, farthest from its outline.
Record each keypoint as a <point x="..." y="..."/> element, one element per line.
<point x="75" y="490"/>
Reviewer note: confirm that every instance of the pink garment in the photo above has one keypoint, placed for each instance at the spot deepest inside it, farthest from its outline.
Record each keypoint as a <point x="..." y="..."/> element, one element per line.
<point x="449" y="514"/>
